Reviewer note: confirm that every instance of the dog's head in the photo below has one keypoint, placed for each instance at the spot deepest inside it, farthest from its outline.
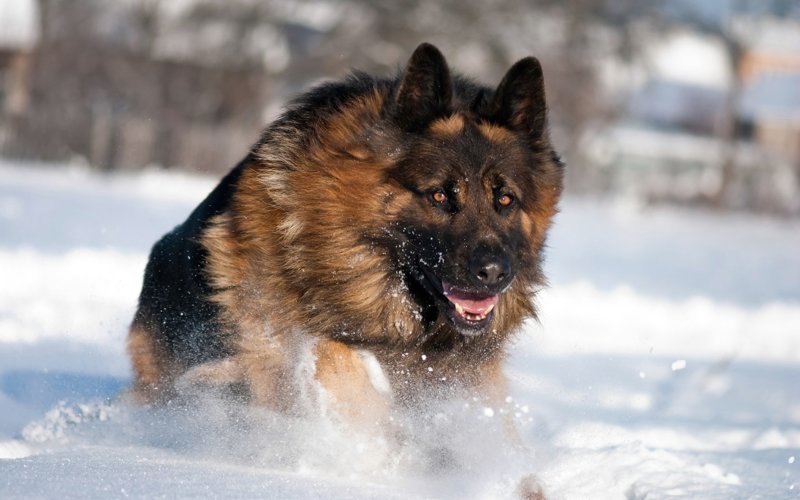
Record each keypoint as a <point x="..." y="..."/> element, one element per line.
<point x="478" y="183"/>
<point x="410" y="206"/>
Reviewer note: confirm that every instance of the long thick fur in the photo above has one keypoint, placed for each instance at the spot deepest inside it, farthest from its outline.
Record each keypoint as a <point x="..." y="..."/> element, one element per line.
<point x="327" y="232"/>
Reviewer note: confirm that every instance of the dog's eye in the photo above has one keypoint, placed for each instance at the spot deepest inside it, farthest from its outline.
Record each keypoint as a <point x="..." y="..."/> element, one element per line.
<point x="439" y="196"/>
<point x="505" y="200"/>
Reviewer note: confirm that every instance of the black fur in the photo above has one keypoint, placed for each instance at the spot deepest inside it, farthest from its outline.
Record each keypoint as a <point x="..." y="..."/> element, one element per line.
<point x="174" y="298"/>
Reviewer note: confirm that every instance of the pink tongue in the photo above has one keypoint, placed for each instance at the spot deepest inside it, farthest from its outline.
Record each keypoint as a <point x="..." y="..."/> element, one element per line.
<point x="472" y="303"/>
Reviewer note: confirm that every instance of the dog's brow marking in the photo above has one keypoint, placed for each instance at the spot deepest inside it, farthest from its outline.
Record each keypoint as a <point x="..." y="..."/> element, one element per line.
<point x="494" y="133"/>
<point x="452" y="125"/>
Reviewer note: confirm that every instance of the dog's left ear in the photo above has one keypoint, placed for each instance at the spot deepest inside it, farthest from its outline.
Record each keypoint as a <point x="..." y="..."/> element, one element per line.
<point x="519" y="101"/>
<point x="426" y="89"/>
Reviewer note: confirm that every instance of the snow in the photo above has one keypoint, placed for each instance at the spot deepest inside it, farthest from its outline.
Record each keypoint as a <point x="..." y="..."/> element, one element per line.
<point x="689" y="57"/>
<point x="665" y="364"/>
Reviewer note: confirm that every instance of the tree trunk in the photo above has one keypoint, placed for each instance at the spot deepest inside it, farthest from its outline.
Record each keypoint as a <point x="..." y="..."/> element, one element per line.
<point x="728" y="133"/>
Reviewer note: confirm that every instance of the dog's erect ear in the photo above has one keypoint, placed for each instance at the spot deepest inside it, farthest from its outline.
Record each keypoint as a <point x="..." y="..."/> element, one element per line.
<point x="519" y="99"/>
<point x="426" y="89"/>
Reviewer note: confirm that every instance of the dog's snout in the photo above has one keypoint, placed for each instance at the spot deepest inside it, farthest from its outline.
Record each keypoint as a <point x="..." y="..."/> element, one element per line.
<point x="489" y="268"/>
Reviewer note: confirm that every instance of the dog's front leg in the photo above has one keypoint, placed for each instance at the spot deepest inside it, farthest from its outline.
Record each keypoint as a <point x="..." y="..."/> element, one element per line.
<point x="492" y="386"/>
<point x="347" y="380"/>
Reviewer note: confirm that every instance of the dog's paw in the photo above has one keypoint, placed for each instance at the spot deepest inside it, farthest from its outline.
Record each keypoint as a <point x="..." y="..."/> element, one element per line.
<point x="530" y="489"/>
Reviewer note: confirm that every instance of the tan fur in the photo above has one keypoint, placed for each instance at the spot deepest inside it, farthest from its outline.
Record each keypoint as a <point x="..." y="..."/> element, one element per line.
<point x="452" y="125"/>
<point x="342" y="374"/>
<point x="224" y="372"/>
<point x="250" y="266"/>
<point x="154" y="372"/>
<point x="304" y="257"/>
<point x="546" y="208"/>
<point x="267" y="366"/>
<point x="530" y="489"/>
<point x="292" y="261"/>
<point x="495" y="133"/>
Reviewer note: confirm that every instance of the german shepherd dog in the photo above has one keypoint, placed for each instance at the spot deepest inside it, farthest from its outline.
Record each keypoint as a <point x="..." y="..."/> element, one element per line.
<point x="391" y="220"/>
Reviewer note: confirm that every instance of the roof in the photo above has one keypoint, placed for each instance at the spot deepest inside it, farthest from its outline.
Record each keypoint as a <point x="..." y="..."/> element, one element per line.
<point x="677" y="104"/>
<point x="692" y="58"/>
<point x="770" y="35"/>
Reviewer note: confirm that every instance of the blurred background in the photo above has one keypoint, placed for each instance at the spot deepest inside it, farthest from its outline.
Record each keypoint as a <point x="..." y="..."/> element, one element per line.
<point x="666" y="358"/>
<point x="660" y="101"/>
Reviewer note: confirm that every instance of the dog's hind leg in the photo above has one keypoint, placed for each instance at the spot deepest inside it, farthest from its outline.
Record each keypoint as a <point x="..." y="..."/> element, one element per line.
<point x="226" y="372"/>
<point x="154" y="370"/>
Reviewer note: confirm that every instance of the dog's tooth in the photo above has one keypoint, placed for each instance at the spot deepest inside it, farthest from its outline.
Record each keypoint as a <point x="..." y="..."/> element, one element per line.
<point x="459" y="309"/>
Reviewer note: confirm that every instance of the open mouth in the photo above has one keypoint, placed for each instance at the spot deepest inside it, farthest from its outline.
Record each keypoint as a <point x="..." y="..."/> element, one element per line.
<point x="470" y="311"/>
<point x="470" y="306"/>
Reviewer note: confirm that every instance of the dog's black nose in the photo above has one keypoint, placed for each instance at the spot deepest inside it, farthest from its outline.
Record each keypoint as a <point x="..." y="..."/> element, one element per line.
<point x="490" y="269"/>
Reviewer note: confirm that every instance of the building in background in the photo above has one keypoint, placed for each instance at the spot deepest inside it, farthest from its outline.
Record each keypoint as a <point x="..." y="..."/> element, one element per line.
<point x="19" y="34"/>
<point x="661" y="100"/>
<point x="771" y="74"/>
<point x="711" y="115"/>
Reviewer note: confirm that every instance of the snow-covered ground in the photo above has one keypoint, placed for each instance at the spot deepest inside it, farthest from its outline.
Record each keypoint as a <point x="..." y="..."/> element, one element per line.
<point x="666" y="364"/>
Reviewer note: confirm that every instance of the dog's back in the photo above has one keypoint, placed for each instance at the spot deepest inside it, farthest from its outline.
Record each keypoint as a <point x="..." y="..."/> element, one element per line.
<point x="175" y="326"/>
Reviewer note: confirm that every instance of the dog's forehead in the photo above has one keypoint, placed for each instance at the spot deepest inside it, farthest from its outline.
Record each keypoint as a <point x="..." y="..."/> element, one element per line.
<point x="473" y="150"/>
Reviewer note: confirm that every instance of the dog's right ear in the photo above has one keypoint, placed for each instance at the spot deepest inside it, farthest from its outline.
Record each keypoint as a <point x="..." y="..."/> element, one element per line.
<point x="425" y="91"/>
